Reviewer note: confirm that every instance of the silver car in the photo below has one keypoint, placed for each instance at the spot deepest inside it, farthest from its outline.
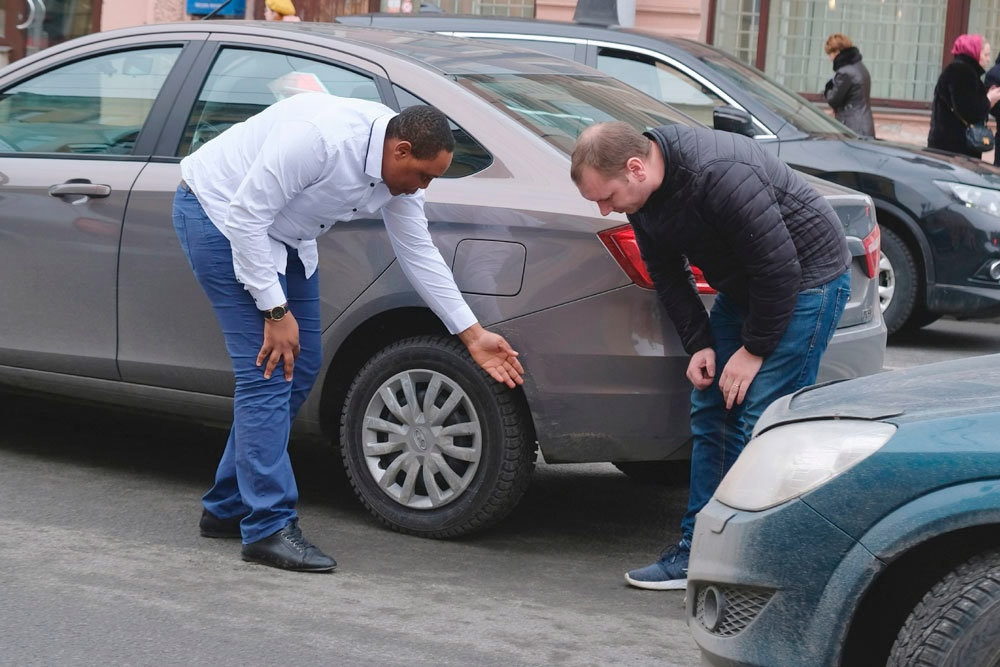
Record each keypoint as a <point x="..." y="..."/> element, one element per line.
<point x="100" y="304"/>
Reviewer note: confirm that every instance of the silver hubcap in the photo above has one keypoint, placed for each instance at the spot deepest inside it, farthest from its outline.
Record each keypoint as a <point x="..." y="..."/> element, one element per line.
<point x="421" y="439"/>
<point x="886" y="281"/>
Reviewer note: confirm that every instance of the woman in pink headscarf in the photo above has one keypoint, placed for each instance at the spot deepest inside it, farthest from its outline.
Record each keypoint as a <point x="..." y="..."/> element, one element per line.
<point x="960" y="95"/>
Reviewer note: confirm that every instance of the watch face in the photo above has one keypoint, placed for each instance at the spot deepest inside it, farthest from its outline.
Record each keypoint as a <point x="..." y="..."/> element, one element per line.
<point x="276" y="313"/>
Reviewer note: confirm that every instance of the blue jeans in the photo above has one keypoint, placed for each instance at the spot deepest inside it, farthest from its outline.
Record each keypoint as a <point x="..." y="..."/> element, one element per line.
<point x="719" y="435"/>
<point x="254" y="479"/>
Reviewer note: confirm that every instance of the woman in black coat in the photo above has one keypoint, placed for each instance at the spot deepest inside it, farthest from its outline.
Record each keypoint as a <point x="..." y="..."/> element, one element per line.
<point x="849" y="91"/>
<point x="960" y="94"/>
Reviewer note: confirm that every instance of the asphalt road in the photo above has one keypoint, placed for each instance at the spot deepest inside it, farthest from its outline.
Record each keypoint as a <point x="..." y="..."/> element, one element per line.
<point x="101" y="562"/>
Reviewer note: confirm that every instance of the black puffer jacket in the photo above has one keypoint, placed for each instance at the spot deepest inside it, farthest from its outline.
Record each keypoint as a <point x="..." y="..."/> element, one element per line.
<point x="755" y="228"/>
<point x="959" y="87"/>
<point x="849" y="92"/>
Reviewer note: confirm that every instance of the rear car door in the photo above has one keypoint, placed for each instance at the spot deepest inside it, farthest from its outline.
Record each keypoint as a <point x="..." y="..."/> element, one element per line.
<point x="75" y="133"/>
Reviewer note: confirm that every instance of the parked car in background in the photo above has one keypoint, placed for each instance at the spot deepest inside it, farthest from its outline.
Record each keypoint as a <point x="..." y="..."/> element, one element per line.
<point x="859" y="527"/>
<point x="102" y="306"/>
<point x="939" y="213"/>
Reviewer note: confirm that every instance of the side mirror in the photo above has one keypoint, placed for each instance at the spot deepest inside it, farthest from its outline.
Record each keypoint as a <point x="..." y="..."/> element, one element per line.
<point x="731" y="119"/>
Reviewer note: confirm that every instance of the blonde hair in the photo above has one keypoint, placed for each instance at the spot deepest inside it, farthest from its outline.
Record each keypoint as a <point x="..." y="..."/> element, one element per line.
<point x="283" y="7"/>
<point x="606" y="147"/>
<point x="837" y="42"/>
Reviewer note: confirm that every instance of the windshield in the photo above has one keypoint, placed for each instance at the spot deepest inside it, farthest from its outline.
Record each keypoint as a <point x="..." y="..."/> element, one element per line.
<point x="789" y="106"/>
<point x="558" y="107"/>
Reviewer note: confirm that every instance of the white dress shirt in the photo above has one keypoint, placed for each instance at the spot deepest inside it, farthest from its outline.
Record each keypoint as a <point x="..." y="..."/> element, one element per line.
<point x="289" y="173"/>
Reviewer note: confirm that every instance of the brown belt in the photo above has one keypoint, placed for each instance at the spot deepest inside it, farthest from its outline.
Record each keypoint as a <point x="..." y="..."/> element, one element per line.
<point x="185" y="186"/>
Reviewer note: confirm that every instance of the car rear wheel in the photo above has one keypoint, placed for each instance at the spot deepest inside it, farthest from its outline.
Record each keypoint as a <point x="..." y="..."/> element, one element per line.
<point x="432" y="445"/>
<point x="958" y="622"/>
<point x="897" y="282"/>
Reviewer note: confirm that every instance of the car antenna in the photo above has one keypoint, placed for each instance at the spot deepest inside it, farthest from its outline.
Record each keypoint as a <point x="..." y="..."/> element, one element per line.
<point x="216" y="10"/>
<point x="603" y="13"/>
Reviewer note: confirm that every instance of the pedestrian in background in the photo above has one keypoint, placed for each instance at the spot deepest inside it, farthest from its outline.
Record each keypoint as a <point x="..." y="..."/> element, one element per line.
<point x="279" y="10"/>
<point x="849" y="91"/>
<point x="960" y="96"/>
<point x="764" y="238"/>
<point x="992" y="80"/>
<point x="248" y="211"/>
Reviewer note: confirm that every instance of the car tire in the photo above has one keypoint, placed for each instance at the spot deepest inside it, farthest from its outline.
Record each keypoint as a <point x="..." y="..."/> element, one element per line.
<point x="457" y="463"/>
<point x="898" y="284"/>
<point x="958" y="622"/>
<point x="667" y="473"/>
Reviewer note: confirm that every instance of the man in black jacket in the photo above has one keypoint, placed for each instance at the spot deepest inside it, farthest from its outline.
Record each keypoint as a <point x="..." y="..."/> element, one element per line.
<point x="764" y="238"/>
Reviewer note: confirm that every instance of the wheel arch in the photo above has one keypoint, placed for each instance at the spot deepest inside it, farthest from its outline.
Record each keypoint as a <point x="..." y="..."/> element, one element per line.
<point x="902" y="224"/>
<point x="929" y="537"/>
<point x="368" y="337"/>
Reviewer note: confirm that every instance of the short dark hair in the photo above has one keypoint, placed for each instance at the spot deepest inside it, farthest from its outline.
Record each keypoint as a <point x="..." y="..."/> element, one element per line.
<point x="425" y="127"/>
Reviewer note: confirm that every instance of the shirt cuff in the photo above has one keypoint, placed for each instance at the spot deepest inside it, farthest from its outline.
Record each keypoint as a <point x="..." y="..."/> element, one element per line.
<point x="269" y="298"/>
<point x="460" y="319"/>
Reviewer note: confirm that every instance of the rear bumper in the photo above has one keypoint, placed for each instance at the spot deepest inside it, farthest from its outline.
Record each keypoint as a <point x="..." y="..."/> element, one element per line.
<point x="610" y="384"/>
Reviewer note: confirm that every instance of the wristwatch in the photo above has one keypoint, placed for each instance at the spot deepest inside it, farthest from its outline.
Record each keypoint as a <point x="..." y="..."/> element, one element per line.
<point x="276" y="313"/>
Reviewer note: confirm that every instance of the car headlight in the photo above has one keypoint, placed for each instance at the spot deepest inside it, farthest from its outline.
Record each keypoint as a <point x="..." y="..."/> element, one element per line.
<point x="982" y="198"/>
<point x="790" y="460"/>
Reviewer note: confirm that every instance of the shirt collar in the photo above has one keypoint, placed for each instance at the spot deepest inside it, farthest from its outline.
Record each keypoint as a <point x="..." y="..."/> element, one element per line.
<point x="376" y="143"/>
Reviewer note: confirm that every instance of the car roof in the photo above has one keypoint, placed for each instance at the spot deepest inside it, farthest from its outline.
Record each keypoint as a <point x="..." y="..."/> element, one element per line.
<point x="527" y="26"/>
<point x="447" y="55"/>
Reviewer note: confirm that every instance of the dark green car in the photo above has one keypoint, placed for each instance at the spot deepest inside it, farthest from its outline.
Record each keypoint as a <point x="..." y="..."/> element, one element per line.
<point x="860" y="527"/>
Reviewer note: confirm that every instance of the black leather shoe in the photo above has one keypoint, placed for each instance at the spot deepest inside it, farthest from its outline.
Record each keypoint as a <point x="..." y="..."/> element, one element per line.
<point x="288" y="550"/>
<point x="212" y="526"/>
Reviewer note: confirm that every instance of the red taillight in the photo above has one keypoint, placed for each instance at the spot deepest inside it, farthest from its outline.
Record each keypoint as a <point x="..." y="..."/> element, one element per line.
<point x="700" y="282"/>
<point x="622" y="245"/>
<point x="873" y="248"/>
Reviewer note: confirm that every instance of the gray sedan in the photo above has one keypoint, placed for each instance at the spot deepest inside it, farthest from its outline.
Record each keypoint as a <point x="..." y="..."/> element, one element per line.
<point x="101" y="306"/>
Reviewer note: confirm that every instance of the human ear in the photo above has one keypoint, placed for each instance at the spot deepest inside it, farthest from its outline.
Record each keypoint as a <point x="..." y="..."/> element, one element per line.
<point x="402" y="148"/>
<point x="636" y="167"/>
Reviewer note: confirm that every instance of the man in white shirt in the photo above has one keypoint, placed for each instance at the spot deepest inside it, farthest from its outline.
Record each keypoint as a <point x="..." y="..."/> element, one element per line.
<point x="247" y="212"/>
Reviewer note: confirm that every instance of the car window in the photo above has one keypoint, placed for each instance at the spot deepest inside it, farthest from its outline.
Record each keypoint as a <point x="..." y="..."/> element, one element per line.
<point x="243" y="82"/>
<point x="470" y="156"/>
<point x="558" y="107"/>
<point x="93" y="106"/>
<point x="789" y="106"/>
<point x="661" y="81"/>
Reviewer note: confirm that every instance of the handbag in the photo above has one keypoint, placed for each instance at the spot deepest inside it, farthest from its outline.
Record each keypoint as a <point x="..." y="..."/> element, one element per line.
<point x="978" y="137"/>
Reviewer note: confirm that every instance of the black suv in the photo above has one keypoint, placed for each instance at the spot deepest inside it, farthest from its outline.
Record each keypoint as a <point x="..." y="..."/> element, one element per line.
<point x="939" y="213"/>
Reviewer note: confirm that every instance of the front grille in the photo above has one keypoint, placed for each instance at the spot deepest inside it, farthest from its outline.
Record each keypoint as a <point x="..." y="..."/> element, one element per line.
<point x="741" y="607"/>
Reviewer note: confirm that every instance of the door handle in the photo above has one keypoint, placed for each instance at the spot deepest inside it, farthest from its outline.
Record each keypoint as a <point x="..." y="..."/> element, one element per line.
<point x="31" y="15"/>
<point x="80" y="189"/>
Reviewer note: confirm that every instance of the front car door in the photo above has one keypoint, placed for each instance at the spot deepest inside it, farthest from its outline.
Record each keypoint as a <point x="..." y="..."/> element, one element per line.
<point x="72" y="137"/>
